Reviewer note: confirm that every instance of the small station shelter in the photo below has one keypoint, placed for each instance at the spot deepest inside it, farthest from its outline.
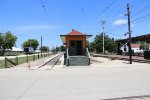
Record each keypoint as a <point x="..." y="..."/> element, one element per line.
<point x="75" y="42"/>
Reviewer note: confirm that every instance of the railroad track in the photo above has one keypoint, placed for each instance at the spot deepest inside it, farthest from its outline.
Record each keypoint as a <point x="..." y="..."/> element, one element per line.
<point x="143" y="97"/>
<point x="53" y="61"/>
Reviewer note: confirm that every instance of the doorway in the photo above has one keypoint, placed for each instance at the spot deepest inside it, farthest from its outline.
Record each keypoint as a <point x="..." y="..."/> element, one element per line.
<point x="76" y="47"/>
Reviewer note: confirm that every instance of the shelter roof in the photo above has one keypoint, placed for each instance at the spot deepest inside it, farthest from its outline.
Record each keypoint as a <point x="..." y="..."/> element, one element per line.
<point x="73" y="33"/>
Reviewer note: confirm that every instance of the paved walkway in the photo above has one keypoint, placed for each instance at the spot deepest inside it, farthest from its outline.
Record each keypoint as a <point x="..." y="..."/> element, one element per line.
<point x="75" y="83"/>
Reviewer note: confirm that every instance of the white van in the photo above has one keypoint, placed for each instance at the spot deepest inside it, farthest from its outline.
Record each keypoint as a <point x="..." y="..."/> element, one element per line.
<point x="28" y="50"/>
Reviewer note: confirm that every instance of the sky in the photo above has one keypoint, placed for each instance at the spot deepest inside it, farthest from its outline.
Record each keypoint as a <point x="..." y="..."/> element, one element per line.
<point x="27" y="19"/>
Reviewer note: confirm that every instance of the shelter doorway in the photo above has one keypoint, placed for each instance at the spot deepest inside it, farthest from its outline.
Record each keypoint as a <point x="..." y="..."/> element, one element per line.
<point x="76" y="47"/>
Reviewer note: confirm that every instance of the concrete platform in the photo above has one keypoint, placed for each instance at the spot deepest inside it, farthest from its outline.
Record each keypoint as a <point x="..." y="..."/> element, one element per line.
<point x="75" y="83"/>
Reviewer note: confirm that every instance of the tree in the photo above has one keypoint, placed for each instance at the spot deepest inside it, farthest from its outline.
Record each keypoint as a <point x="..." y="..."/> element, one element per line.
<point x="97" y="44"/>
<point x="144" y="46"/>
<point x="31" y="43"/>
<point x="92" y="46"/>
<point x="62" y="48"/>
<point x="57" y="49"/>
<point x="87" y="44"/>
<point x="1" y="42"/>
<point x="7" y="41"/>
<point x="44" y="48"/>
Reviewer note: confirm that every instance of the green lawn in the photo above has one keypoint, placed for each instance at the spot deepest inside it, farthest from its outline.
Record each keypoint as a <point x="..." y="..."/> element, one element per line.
<point x="2" y="63"/>
<point x="21" y="60"/>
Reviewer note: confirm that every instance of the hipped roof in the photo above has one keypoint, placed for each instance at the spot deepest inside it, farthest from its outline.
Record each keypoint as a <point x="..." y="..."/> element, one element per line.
<point x="73" y="33"/>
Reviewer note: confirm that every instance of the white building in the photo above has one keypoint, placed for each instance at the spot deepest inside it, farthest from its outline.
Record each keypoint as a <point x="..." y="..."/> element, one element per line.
<point x="14" y="49"/>
<point x="134" y="47"/>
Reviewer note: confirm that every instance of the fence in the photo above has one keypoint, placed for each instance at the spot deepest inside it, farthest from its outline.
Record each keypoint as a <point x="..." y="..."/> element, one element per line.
<point x="10" y="62"/>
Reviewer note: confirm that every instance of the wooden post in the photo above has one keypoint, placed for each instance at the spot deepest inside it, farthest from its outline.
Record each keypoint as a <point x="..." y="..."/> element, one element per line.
<point x="5" y="62"/>
<point x="16" y="60"/>
<point x="29" y="65"/>
<point x="41" y="46"/>
<point x="41" y="55"/>
<point x="38" y="56"/>
<point x="33" y="57"/>
<point x="27" y="59"/>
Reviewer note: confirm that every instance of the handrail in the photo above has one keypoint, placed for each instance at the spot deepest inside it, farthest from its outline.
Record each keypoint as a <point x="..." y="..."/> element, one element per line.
<point x="67" y="54"/>
<point x="67" y="58"/>
<point x="88" y="54"/>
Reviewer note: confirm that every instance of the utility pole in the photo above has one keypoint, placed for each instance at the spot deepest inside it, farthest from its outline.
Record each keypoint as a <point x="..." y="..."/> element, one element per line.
<point x="41" y="45"/>
<point x="102" y="23"/>
<point x="129" y="32"/>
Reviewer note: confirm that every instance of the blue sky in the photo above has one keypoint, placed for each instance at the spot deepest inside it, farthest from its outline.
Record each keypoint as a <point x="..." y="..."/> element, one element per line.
<point x="27" y="19"/>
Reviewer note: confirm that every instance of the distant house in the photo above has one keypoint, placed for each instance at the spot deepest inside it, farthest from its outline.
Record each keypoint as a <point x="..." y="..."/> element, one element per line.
<point x="14" y="49"/>
<point x="135" y="47"/>
<point x="37" y="51"/>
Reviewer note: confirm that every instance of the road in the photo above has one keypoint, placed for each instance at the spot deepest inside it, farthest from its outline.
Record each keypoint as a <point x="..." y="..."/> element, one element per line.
<point x="75" y="83"/>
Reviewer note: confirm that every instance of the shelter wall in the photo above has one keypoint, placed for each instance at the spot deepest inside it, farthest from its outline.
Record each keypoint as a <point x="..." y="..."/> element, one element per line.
<point x="81" y="38"/>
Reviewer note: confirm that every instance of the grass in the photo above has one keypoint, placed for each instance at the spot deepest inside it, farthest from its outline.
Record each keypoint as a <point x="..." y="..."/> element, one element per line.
<point x="2" y="63"/>
<point x="21" y="60"/>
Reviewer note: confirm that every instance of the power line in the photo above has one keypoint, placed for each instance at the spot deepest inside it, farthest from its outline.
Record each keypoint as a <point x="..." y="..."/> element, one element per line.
<point x="103" y="11"/>
<point x="147" y="16"/>
<point x="140" y="18"/>
<point x="114" y="34"/>
<point x="133" y="3"/>
<point x="124" y="25"/>
<point x="108" y="7"/>
<point x="141" y="10"/>
<point x="44" y="8"/>
<point x="121" y="26"/>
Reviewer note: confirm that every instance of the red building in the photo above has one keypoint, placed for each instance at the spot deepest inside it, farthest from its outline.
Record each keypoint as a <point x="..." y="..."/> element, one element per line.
<point x="75" y="42"/>
<point x="76" y="52"/>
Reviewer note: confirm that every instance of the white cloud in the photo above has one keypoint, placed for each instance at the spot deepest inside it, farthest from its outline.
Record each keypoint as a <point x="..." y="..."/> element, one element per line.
<point x="132" y="25"/>
<point x="120" y="15"/>
<point x="29" y="28"/>
<point x="119" y="22"/>
<point x="34" y="27"/>
<point x="101" y="15"/>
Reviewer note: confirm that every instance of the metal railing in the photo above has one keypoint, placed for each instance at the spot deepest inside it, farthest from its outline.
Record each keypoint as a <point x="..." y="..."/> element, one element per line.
<point x="67" y="57"/>
<point x="88" y="55"/>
